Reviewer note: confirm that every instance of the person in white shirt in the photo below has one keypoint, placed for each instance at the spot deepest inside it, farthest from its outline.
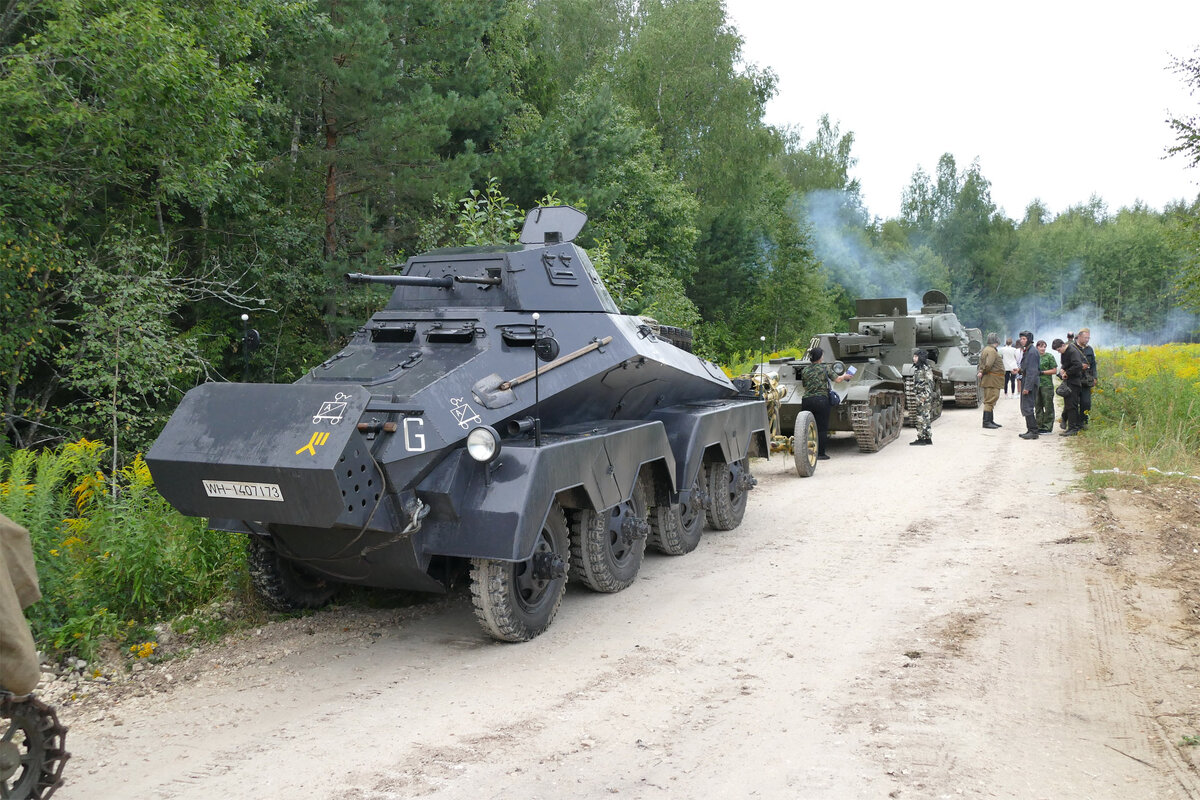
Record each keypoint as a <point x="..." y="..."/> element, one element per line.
<point x="1012" y="362"/>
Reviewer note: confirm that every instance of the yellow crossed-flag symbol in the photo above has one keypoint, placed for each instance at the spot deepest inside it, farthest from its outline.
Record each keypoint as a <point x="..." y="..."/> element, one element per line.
<point x="319" y="438"/>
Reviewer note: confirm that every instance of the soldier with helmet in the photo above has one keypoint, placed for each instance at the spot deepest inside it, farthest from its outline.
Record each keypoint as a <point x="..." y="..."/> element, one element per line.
<point x="1030" y="367"/>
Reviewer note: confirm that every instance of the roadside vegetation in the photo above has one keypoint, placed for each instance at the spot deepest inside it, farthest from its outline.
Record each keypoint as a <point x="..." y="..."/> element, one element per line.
<point x="1145" y="419"/>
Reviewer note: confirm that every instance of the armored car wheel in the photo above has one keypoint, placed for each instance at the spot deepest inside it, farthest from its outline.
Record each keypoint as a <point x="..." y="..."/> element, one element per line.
<point x="607" y="546"/>
<point x="516" y="601"/>
<point x="32" y="753"/>
<point x="806" y="444"/>
<point x="281" y="583"/>
<point x="728" y="489"/>
<point x="675" y="528"/>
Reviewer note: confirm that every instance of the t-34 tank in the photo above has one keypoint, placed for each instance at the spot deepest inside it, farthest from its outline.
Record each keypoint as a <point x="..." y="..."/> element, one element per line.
<point x="498" y="419"/>
<point x="872" y="402"/>
<point x="954" y="348"/>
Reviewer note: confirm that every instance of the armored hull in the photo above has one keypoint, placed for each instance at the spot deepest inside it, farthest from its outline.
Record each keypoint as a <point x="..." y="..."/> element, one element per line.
<point x="498" y="416"/>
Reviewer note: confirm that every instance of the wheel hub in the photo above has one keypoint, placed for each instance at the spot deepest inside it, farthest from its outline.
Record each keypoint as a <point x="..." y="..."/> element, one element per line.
<point x="548" y="566"/>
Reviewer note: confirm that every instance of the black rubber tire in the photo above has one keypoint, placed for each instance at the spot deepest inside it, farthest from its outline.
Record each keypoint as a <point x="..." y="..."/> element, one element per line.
<point x="727" y="505"/>
<point x="602" y="559"/>
<point x="282" y="584"/>
<point x="806" y="444"/>
<point x="676" y="529"/>
<point x="511" y="604"/>
<point x="680" y="337"/>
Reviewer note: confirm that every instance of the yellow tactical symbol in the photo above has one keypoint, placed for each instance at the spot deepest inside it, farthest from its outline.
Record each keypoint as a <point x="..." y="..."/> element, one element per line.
<point x="319" y="438"/>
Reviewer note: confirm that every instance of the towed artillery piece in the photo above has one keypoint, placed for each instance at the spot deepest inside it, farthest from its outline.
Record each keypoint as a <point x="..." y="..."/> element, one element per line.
<point x="498" y="421"/>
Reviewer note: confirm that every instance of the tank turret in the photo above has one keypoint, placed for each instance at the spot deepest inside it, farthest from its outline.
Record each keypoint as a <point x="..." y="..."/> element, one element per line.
<point x="499" y="420"/>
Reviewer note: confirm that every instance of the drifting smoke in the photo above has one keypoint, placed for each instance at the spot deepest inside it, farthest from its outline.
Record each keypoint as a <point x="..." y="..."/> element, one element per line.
<point x="835" y="226"/>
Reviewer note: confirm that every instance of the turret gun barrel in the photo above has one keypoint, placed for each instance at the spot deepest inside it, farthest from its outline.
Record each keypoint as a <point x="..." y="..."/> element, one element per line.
<point x="444" y="282"/>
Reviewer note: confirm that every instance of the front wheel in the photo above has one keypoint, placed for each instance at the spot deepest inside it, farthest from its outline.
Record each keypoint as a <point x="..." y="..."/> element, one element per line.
<point x="516" y="601"/>
<point x="283" y="584"/>
<point x="728" y="490"/>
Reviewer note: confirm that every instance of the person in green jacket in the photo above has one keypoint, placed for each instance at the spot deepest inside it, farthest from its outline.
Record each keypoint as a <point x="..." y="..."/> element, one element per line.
<point x="1048" y="365"/>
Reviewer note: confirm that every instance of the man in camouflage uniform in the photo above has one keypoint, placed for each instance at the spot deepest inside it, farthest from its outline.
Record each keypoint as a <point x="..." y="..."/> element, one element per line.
<point x="923" y="389"/>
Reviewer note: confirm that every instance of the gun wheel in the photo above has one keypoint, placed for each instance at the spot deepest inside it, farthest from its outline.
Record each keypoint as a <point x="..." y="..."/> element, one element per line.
<point x="32" y="753"/>
<point x="728" y="489"/>
<point x="676" y="528"/>
<point x="517" y="600"/>
<point x="607" y="546"/>
<point x="806" y="445"/>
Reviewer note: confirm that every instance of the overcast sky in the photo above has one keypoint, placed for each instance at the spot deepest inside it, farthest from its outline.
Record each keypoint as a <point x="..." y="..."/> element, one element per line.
<point x="1058" y="100"/>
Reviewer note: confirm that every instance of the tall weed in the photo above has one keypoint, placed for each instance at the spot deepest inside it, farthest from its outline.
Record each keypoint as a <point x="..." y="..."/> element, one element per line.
<point x="112" y="555"/>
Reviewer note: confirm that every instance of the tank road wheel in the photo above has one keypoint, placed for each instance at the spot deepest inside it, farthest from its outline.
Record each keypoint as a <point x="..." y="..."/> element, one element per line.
<point x="728" y="489"/>
<point x="675" y="528"/>
<point x="516" y="601"/>
<point x="607" y="546"/>
<point x="32" y="753"/>
<point x="283" y="584"/>
<point x="804" y="450"/>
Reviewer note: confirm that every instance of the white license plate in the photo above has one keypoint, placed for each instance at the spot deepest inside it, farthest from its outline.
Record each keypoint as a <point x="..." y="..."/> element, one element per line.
<point x="240" y="490"/>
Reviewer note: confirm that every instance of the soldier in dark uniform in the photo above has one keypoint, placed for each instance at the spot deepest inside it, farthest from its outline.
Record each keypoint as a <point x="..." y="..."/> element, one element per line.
<point x="1071" y="372"/>
<point x="1030" y="365"/>
<point x="923" y="388"/>
<point x="1082" y="340"/>
<point x="816" y="379"/>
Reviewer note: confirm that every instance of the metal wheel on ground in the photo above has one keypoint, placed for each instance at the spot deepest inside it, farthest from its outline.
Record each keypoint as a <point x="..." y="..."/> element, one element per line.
<point x="728" y="488"/>
<point x="806" y="444"/>
<point x="607" y="546"/>
<point x="283" y="584"/>
<point x="32" y="753"/>
<point x="516" y="601"/>
<point x="676" y="528"/>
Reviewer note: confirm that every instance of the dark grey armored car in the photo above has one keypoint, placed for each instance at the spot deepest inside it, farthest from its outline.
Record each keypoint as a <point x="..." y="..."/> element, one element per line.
<point x="498" y="419"/>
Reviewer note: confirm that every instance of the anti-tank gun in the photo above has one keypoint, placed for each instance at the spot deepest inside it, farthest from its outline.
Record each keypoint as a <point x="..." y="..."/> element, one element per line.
<point x="499" y="421"/>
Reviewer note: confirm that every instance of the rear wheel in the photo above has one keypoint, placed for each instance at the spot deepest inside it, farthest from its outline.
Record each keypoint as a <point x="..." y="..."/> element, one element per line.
<point x="607" y="546"/>
<point x="728" y="490"/>
<point x="805" y="444"/>
<point x="676" y="528"/>
<point x="516" y="601"/>
<point x="283" y="584"/>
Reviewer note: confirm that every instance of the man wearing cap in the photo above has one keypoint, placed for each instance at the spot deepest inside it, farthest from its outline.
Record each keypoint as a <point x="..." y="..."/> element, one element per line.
<point x="1029" y="384"/>
<point x="923" y="389"/>
<point x="991" y="378"/>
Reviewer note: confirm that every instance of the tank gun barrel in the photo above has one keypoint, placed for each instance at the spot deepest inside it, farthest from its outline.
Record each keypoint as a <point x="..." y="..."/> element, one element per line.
<point x="444" y="282"/>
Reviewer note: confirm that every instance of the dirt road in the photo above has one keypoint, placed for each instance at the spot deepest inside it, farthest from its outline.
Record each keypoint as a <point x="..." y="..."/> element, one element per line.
<point x="931" y="622"/>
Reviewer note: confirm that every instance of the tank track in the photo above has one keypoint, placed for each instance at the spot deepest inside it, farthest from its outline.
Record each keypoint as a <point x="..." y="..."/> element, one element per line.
<point x="966" y="395"/>
<point x="910" y="404"/>
<point x="877" y="421"/>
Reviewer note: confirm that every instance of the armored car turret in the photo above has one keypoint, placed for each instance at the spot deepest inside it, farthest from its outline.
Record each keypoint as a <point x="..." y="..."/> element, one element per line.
<point x="498" y="420"/>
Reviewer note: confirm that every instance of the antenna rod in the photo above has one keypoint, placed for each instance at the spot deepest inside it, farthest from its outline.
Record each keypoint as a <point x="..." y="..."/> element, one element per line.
<point x="537" y="417"/>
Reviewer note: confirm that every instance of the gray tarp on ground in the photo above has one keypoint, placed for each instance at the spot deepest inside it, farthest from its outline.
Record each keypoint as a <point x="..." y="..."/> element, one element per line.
<point x="18" y="589"/>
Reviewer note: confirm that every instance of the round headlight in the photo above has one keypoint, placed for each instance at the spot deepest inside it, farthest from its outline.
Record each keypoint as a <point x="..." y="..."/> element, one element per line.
<point x="483" y="443"/>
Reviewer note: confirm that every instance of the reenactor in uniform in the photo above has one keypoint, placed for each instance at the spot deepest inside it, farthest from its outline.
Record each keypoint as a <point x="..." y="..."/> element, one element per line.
<point x="1029" y="384"/>
<point x="991" y="378"/>
<point x="1047" y="366"/>
<point x="19" y="669"/>
<point x="923" y="389"/>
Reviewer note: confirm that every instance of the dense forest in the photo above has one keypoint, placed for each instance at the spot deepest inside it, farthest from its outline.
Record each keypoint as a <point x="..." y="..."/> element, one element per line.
<point x="168" y="166"/>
